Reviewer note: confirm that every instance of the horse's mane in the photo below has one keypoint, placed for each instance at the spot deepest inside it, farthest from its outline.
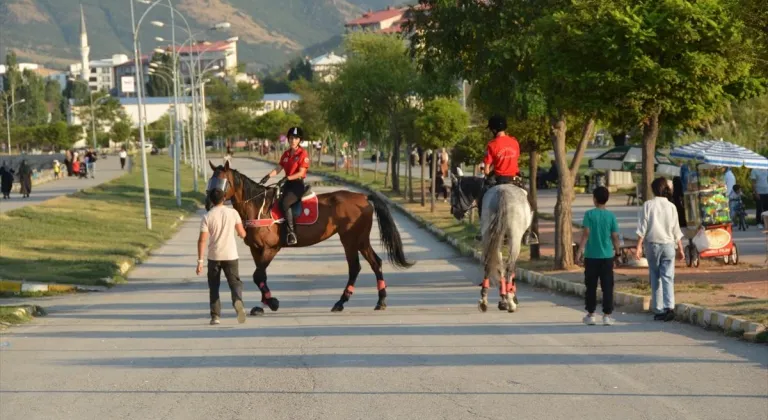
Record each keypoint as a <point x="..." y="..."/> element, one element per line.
<point x="251" y="188"/>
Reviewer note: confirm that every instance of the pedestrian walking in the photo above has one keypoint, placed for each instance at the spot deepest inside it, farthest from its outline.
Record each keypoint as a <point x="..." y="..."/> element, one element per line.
<point x="218" y="228"/>
<point x="598" y="247"/>
<point x="25" y="178"/>
<point x="759" y="178"/>
<point x="123" y="156"/>
<point x="659" y="230"/>
<point x="68" y="158"/>
<point x="6" y="180"/>
<point x="90" y="162"/>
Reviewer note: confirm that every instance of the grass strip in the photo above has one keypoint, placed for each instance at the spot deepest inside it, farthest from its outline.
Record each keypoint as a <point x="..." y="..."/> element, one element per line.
<point x="85" y="238"/>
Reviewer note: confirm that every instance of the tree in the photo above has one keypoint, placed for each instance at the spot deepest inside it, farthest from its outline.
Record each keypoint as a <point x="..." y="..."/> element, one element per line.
<point x="376" y="83"/>
<point x="121" y="130"/>
<point x="12" y="79"/>
<point x="441" y="124"/>
<point x="34" y="110"/>
<point x="669" y="62"/>
<point x="496" y="46"/>
<point x="53" y="98"/>
<point x="160" y="84"/>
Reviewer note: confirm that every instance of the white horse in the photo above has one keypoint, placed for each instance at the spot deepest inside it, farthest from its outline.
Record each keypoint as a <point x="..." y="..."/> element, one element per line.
<point x="506" y="217"/>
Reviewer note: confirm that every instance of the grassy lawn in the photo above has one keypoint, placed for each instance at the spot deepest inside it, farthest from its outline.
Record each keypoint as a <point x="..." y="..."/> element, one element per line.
<point x="85" y="237"/>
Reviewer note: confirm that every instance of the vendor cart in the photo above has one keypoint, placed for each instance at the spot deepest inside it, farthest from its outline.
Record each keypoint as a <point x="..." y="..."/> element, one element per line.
<point x="706" y="202"/>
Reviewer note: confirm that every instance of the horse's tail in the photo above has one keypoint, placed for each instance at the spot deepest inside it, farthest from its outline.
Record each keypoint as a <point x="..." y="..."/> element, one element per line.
<point x="390" y="237"/>
<point x="493" y="238"/>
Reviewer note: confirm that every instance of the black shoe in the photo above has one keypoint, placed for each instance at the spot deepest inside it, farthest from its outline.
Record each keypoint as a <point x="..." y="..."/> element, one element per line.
<point x="669" y="316"/>
<point x="660" y="317"/>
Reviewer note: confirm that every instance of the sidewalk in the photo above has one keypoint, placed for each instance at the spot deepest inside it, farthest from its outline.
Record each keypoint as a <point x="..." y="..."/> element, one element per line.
<point x="107" y="169"/>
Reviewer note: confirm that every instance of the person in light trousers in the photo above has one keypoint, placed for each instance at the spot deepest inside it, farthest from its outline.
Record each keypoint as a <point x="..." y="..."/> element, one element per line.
<point x="658" y="232"/>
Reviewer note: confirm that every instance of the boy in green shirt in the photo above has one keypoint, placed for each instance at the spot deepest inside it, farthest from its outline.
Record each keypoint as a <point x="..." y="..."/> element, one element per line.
<point x="598" y="247"/>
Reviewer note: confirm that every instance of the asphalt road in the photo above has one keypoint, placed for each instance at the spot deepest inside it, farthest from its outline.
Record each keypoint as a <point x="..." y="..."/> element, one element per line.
<point x="145" y="350"/>
<point x="106" y="170"/>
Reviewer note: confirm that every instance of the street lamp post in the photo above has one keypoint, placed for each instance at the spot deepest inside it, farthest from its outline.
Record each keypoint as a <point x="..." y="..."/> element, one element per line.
<point x="138" y="84"/>
<point x="8" y="119"/>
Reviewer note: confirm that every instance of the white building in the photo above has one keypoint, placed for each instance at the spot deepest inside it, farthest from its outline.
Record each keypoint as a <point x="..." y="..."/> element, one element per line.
<point x="154" y="109"/>
<point x="273" y="101"/>
<point x="209" y="54"/>
<point x="325" y="67"/>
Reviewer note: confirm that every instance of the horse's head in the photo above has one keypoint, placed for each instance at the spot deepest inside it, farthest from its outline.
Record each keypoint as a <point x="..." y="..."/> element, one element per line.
<point x="222" y="179"/>
<point x="464" y="192"/>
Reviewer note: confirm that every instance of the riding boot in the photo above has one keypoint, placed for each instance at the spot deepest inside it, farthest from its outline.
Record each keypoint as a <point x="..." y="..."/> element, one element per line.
<point x="290" y="238"/>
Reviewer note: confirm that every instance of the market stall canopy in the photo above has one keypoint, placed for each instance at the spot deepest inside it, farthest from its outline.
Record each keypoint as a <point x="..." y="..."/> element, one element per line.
<point x="630" y="159"/>
<point x="720" y="153"/>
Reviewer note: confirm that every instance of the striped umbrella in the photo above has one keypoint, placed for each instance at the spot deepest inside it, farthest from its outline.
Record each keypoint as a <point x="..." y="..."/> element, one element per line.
<point x="720" y="153"/>
<point x="630" y="159"/>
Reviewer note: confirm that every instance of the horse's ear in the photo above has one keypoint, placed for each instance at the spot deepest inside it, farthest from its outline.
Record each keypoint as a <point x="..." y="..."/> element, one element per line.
<point x="213" y="168"/>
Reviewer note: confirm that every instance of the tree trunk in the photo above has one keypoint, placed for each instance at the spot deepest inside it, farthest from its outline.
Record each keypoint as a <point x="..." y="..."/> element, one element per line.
<point x="472" y="211"/>
<point x="396" y="165"/>
<point x="533" y="200"/>
<point x="360" y="163"/>
<point x="409" y="169"/>
<point x="423" y="174"/>
<point x="433" y="182"/>
<point x="389" y="168"/>
<point x="336" y="154"/>
<point x="408" y="184"/>
<point x="650" y="134"/>
<point x="375" y="165"/>
<point x="563" y="216"/>
<point x="586" y="134"/>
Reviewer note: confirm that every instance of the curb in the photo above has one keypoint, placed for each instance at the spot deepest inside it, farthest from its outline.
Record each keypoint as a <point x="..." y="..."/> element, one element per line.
<point x="691" y="314"/>
<point x="710" y="319"/>
<point x="18" y="286"/>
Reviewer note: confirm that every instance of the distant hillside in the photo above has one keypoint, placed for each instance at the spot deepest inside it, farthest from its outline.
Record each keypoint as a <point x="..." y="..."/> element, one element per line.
<point x="270" y="31"/>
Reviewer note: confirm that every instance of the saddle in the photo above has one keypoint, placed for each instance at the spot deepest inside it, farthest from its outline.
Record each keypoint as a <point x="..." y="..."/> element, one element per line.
<point x="305" y="212"/>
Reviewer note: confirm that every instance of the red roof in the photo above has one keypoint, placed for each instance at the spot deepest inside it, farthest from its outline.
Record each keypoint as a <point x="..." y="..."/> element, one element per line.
<point x="376" y="17"/>
<point x="215" y="46"/>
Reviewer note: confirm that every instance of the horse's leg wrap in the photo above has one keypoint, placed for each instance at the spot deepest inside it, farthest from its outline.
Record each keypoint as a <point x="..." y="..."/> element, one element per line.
<point x="503" y="288"/>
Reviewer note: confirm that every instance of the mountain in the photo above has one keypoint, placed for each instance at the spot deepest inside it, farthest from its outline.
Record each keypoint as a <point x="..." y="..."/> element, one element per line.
<point x="270" y="31"/>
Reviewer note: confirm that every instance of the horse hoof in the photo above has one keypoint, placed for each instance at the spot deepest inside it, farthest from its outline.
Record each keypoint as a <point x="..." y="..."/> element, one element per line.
<point x="482" y="306"/>
<point x="380" y="306"/>
<point x="337" y="308"/>
<point x="514" y="299"/>
<point x="503" y="306"/>
<point x="256" y="311"/>
<point x="512" y="308"/>
<point x="273" y="304"/>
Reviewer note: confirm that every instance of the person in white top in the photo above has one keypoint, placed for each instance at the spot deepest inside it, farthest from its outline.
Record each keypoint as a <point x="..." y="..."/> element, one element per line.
<point x="658" y="228"/>
<point x="123" y="157"/>
<point x="220" y="225"/>
<point x="730" y="181"/>
<point x="759" y="179"/>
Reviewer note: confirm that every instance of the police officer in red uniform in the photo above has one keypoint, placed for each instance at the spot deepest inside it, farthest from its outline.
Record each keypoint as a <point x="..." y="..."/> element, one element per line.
<point x="295" y="162"/>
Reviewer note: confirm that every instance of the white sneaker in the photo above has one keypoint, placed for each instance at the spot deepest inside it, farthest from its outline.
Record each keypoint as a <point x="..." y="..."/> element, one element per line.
<point x="607" y="320"/>
<point x="590" y="320"/>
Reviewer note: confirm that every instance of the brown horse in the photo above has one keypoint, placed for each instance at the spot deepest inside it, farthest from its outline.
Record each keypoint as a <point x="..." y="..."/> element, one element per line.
<point x="347" y="213"/>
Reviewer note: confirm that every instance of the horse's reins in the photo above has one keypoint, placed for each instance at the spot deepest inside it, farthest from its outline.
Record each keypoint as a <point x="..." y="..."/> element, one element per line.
<point x="263" y="202"/>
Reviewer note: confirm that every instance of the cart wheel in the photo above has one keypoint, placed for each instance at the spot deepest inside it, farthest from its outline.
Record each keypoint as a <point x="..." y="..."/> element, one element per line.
<point x="688" y="255"/>
<point x="734" y="257"/>
<point x="726" y="259"/>
<point x="695" y="257"/>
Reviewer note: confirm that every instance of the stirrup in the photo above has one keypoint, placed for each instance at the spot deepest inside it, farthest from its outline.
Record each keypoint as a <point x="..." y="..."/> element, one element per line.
<point x="531" y="239"/>
<point x="290" y="239"/>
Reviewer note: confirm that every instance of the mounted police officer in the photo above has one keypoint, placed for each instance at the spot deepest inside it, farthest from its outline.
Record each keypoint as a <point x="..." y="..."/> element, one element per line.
<point x="295" y="163"/>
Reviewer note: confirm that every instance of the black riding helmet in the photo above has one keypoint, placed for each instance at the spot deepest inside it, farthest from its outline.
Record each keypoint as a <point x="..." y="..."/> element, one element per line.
<point x="497" y="123"/>
<point x="295" y="132"/>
